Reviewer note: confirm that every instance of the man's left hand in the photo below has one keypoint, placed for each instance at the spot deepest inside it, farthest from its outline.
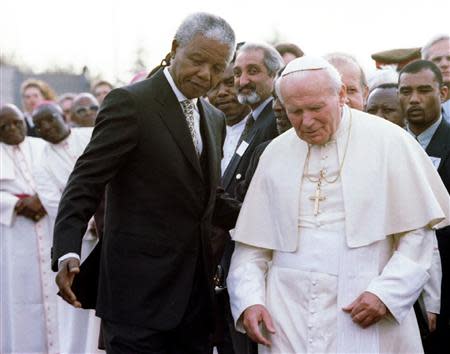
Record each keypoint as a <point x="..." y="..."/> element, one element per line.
<point x="366" y="310"/>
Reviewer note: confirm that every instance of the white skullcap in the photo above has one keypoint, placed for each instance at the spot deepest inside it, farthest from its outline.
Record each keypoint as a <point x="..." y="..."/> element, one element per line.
<point x="305" y="63"/>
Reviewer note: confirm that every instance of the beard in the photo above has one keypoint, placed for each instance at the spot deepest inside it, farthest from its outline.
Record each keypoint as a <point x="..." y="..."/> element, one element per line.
<point x="249" y="99"/>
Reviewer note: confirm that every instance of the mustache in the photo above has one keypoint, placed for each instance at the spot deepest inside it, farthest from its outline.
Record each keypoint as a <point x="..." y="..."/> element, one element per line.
<point x="249" y="86"/>
<point x="414" y="109"/>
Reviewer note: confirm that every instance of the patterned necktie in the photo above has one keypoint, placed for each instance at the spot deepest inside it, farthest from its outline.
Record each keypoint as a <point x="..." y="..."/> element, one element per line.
<point x="188" y="110"/>
<point x="246" y="132"/>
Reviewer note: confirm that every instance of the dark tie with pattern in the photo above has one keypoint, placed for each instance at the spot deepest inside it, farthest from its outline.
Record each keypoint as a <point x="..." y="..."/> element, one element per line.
<point x="188" y="110"/>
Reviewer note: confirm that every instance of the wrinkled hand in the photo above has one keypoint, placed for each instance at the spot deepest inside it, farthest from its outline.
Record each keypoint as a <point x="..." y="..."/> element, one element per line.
<point x="432" y="318"/>
<point x="366" y="310"/>
<point x="31" y="208"/>
<point x="64" y="279"/>
<point x="252" y="317"/>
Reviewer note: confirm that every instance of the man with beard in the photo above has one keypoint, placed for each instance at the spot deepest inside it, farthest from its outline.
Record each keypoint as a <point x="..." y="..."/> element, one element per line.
<point x="224" y="97"/>
<point x="421" y="91"/>
<point x="283" y="124"/>
<point x="254" y="71"/>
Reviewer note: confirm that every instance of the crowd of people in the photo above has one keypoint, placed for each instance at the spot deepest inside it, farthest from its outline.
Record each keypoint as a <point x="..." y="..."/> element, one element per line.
<point x="244" y="198"/>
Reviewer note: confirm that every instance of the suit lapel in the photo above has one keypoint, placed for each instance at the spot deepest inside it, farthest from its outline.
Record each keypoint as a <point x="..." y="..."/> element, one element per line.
<point x="209" y="146"/>
<point x="234" y="163"/>
<point x="439" y="145"/>
<point x="175" y="121"/>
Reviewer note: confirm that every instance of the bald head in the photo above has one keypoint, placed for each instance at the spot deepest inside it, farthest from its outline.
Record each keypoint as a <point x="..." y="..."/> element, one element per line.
<point x="50" y="123"/>
<point x="12" y="125"/>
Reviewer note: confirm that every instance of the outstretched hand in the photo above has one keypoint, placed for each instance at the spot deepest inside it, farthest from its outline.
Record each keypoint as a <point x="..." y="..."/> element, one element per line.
<point x="252" y="317"/>
<point x="64" y="279"/>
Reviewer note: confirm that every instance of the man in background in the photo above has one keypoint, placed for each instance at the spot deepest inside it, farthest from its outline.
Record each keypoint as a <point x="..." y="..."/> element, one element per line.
<point x="353" y="78"/>
<point x="421" y="90"/>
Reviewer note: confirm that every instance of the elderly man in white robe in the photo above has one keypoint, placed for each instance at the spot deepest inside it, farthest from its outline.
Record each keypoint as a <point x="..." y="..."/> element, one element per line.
<point x="28" y="306"/>
<point x="79" y="328"/>
<point x="334" y="240"/>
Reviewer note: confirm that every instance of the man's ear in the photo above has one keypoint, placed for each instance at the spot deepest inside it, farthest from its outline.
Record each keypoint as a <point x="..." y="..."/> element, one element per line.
<point x="444" y="93"/>
<point x="343" y="95"/>
<point x="175" y="46"/>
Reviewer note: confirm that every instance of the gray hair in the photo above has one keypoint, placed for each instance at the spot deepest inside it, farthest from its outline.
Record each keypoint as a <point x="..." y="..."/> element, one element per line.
<point x="425" y="51"/>
<point x="344" y="58"/>
<point x="335" y="79"/>
<point x="208" y="25"/>
<point x="272" y="59"/>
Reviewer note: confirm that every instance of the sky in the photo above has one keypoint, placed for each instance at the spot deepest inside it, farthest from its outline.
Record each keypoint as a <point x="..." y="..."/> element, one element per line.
<point x="105" y="35"/>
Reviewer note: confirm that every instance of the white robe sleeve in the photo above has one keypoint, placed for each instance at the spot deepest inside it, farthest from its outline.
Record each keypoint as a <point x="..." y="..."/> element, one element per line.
<point x="432" y="291"/>
<point x="246" y="280"/>
<point x="406" y="273"/>
<point x="8" y="202"/>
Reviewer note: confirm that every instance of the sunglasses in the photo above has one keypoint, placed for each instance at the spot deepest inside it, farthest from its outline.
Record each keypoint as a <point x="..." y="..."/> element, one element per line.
<point x="83" y="111"/>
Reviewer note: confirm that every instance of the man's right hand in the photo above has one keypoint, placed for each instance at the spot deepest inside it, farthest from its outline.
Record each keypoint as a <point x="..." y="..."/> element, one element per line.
<point x="252" y="317"/>
<point x="64" y="279"/>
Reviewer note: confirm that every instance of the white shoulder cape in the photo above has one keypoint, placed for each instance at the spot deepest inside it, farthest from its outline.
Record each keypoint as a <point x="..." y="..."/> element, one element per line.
<point x="389" y="186"/>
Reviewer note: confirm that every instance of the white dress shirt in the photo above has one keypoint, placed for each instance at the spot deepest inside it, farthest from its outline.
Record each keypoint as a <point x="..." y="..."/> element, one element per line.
<point x="181" y="97"/>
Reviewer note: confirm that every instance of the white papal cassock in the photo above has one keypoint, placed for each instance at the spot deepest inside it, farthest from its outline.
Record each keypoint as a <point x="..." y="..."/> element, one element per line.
<point x="28" y="310"/>
<point x="78" y="328"/>
<point x="373" y="233"/>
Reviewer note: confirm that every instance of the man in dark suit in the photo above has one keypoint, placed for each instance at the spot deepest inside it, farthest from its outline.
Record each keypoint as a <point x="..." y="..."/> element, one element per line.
<point x="421" y="91"/>
<point x="156" y="147"/>
<point x="254" y="69"/>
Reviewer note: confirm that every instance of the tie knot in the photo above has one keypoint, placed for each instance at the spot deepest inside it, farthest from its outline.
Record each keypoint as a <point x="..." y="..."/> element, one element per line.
<point x="188" y="107"/>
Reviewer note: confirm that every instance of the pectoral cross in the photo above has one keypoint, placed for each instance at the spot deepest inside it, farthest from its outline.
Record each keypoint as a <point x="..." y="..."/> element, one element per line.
<point x="318" y="197"/>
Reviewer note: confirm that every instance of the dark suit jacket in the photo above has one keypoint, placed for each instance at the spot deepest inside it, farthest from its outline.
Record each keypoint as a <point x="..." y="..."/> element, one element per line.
<point x="242" y="187"/>
<point x="160" y="200"/>
<point x="439" y="146"/>
<point x="264" y="129"/>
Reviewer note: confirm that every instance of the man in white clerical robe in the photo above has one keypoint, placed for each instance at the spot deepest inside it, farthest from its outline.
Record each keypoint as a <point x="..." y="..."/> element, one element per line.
<point x="334" y="240"/>
<point x="79" y="328"/>
<point x="28" y="306"/>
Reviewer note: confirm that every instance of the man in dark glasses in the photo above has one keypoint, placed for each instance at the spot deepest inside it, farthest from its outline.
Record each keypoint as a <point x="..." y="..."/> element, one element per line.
<point x="84" y="110"/>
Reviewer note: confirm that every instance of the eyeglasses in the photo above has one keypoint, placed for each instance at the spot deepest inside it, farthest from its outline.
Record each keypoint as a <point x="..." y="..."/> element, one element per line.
<point x="83" y="111"/>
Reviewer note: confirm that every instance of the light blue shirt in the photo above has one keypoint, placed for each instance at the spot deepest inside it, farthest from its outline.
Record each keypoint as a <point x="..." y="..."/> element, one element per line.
<point x="424" y="138"/>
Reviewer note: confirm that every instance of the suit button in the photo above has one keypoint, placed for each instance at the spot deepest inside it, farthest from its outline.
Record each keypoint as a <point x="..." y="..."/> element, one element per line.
<point x="238" y="176"/>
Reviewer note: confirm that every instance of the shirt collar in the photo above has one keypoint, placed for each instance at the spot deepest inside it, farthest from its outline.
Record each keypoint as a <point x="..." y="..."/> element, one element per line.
<point x="257" y="111"/>
<point x="424" y="138"/>
<point x="180" y="96"/>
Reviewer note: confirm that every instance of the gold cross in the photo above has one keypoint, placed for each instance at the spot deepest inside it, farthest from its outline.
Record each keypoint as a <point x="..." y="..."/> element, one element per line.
<point x="318" y="197"/>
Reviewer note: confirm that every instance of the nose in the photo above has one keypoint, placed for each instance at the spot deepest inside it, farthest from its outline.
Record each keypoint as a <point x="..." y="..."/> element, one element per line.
<point x="204" y="73"/>
<point x="223" y="91"/>
<point x="415" y="98"/>
<point x="242" y="80"/>
<point x="307" y="119"/>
